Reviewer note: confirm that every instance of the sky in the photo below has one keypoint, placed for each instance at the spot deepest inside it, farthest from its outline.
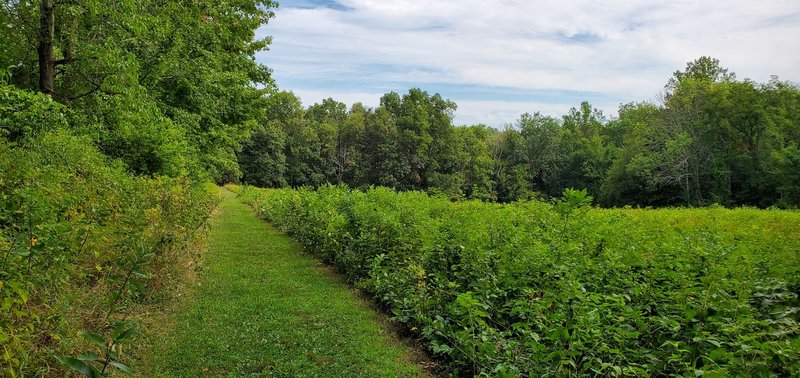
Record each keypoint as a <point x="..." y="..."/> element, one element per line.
<point x="499" y="59"/>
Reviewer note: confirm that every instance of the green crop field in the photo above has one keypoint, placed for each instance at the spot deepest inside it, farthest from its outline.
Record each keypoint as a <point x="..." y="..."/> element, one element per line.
<point x="565" y="289"/>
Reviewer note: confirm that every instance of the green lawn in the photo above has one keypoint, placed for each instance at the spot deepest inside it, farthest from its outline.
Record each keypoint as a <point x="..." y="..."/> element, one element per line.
<point x="262" y="308"/>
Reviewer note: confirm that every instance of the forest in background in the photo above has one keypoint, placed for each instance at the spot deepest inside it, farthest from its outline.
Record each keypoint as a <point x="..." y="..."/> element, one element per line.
<point x="713" y="139"/>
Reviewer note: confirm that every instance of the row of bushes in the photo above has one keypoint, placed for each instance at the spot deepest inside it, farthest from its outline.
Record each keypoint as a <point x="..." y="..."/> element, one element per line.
<point x="81" y="238"/>
<point x="540" y="289"/>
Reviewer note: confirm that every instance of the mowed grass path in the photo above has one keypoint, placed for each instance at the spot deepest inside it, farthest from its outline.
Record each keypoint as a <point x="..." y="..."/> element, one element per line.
<point x="262" y="308"/>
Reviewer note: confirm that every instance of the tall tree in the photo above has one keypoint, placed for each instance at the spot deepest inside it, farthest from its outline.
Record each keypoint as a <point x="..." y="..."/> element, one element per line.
<point x="475" y="162"/>
<point x="541" y="136"/>
<point x="189" y="65"/>
<point x="646" y="170"/>
<point x="381" y="161"/>
<point x="586" y="154"/>
<point x="424" y="123"/>
<point x="327" y="118"/>
<point x="705" y="68"/>
<point x="47" y="31"/>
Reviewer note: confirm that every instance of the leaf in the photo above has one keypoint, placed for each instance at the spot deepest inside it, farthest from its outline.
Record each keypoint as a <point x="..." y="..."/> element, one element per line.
<point x="137" y="286"/>
<point x="88" y="356"/>
<point x="97" y="339"/>
<point x="631" y="334"/>
<point x="718" y="355"/>
<point x="76" y="364"/>
<point x="552" y="355"/>
<point x="128" y="333"/>
<point x="121" y="366"/>
<point x="118" y="329"/>
<point x="139" y="273"/>
<point x="441" y="348"/>
<point x="23" y="294"/>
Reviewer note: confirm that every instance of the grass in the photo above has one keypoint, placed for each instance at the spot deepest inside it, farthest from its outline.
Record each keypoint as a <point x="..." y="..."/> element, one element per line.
<point x="260" y="307"/>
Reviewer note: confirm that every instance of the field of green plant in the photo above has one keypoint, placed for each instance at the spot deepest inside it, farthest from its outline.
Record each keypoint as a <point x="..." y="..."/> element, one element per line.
<point x="545" y="289"/>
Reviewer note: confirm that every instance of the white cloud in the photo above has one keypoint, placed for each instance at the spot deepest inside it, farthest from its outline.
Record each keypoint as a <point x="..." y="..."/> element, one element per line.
<point x="311" y="97"/>
<point x="625" y="50"/>
<point x="505" y="112"/>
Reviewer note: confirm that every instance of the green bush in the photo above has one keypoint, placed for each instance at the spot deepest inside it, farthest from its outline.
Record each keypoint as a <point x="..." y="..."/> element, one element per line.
<point x="72" y="227"/>
<point x="26" y="115"/>
<point x="542" y="289"/>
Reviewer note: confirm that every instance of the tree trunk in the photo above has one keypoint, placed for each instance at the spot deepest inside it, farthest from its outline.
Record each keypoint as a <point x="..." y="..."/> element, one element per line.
<point x="47" y="23"/>
<point x="688" y="195"/>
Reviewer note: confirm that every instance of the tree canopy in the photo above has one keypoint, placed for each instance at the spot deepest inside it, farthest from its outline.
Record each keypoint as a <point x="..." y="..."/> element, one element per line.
<point x="165" y="87"/>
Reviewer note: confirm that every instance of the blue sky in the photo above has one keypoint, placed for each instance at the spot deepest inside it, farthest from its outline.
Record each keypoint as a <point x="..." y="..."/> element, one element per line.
<point x="499" y="59"/>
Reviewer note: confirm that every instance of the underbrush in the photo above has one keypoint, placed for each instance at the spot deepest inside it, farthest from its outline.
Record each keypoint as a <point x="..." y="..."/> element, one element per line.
<point x="82" y="241"/>
<point x="540" y="289"/>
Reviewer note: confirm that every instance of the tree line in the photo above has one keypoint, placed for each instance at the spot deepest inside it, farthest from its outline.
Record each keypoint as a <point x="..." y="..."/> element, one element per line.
<point x="712" y="139"/>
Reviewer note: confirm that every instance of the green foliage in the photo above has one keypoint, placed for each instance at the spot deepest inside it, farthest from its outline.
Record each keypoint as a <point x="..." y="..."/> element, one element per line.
<point x="102" y="176"/>
<point x="787" y="165"/>
<point x="25" y="116"/>
<point x="133" y="131"/>
<point x="714" y="140"/>
<point x="72" y="227"/>
<point x="95" y="365"/>
<point x="499" y="290"/>
<point x="573" y="203"/>
<point x="262" y="159"/>
<point x="166" y="87"/>
<point x="704" y="68"/>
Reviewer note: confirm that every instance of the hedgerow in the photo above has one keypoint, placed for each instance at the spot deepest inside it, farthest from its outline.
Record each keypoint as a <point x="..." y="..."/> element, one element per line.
<point x="540" y="289"/>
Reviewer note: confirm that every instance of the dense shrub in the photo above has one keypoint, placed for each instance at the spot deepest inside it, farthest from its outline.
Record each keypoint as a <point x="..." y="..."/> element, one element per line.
<point x="25" y="115"/>
<point x="540" y="290"/>
<point x="72" y="226"/>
